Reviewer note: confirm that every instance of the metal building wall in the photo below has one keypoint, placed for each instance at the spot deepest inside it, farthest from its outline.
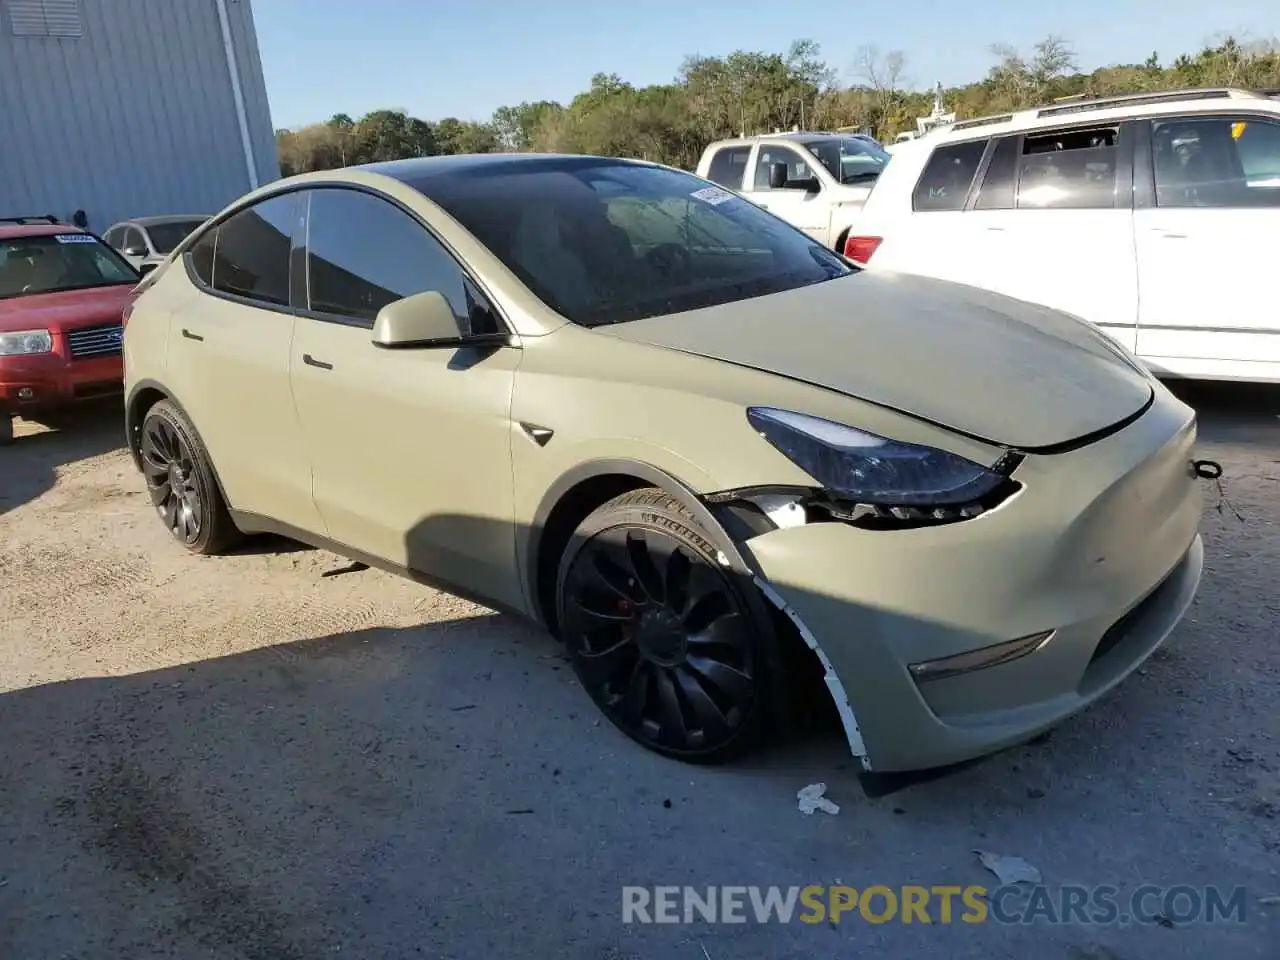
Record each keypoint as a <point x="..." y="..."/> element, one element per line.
<point x="136" y="116"/>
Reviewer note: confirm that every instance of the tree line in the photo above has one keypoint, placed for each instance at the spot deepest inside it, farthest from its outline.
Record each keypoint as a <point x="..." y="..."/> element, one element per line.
<point x="751" y="92"/>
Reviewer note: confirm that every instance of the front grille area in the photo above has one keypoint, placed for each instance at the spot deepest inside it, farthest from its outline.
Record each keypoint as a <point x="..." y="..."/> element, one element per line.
<point x="105" y="341"/>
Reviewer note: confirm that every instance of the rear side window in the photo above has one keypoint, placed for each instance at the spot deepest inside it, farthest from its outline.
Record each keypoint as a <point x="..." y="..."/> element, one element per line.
<point x="1069" y="169"/>
<point x="729" y="166"/>
<point x="364" y="252"/>
<point x="996" y="192"/>
<point x="251" y="252"/>
<point x="947" y="176"/>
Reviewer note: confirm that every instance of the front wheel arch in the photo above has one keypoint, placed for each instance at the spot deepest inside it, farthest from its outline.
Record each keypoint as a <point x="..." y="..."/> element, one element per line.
<point x="581" y="490"/>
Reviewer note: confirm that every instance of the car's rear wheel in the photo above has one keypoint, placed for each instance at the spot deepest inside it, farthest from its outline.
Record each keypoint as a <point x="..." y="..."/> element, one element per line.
<point x="181" y="483"/>
<point x="671" y="646"/>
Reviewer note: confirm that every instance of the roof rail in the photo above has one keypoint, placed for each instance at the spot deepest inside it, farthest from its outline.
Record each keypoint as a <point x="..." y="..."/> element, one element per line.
<point x="1137" y="99"/>
<point x="979" y="122"/>
<point x="42" y="218"/>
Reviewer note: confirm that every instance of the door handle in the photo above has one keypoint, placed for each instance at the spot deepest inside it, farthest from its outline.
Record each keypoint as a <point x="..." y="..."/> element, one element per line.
<point x="311" y="361"/>
<point x="1169" y="234"/>
<point x="996" y="229"/>
<point x="191" y="336"/>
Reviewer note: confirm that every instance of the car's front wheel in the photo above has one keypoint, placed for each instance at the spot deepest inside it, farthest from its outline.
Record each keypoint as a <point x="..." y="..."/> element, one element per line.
<point x="665" y="639"/>
<point x="181" y="483"/>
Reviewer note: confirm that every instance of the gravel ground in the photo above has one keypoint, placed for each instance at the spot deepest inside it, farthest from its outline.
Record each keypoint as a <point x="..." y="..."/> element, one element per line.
<point x="239" y="758"/>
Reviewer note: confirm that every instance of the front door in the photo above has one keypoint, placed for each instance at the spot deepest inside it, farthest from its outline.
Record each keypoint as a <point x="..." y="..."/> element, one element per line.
<point x="805" y="207"/>
<point x="411" y="449"/>
<point x="1207" y="248"/>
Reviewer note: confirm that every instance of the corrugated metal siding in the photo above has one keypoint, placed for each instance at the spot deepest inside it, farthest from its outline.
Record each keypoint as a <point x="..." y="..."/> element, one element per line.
<point x="134" y="118"/>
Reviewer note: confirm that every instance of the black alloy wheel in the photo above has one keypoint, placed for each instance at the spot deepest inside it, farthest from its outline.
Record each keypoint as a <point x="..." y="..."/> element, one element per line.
<point x="171" y="480"/>
<point x="659" y="633"/>
<point x="180" y="482"/>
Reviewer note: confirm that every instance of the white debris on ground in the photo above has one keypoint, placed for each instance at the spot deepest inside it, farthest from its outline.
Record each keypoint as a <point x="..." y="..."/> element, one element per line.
<point x="1008" y="869"/>
<point x="811" y="798"/>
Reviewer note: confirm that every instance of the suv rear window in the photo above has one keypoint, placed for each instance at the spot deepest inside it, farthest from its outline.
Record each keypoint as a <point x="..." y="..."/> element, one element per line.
<point x="947" y="176"/>
<point x="63" y="261"/>
<point x="729" y="166"/>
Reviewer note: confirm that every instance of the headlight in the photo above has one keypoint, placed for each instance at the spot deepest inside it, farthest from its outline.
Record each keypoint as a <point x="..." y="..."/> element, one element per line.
<point x="873" y="470"/>
<point x="24" y="342"/>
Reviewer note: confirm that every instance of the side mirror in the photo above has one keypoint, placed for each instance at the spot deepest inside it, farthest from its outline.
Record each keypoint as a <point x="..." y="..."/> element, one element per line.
<point x="145" y="268"/>
<point x="426" y="321"/>
<point x="777" y="176"/>
<point x="135" y="251"/>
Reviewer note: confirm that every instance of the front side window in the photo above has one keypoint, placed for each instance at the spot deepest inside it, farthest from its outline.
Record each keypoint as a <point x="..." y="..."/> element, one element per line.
<point x="798" y="169"/>
<point x="607" y="241"/>
<point x="850" y="159"/>
<point x="944" y="184"/>
<point x="729" y="166"/>
<point x="364" y="252"/>
<point x="166" y="236"/>
<point x="1216" y="162"/>
<point x="1068" y="169"/>
<point x="64" y="261"/>
<point x="251" y="251"/>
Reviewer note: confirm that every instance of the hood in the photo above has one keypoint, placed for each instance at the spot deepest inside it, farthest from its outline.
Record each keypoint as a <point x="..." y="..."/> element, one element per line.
<point x="1000" y="370"/>
<point x="66" y="310"/>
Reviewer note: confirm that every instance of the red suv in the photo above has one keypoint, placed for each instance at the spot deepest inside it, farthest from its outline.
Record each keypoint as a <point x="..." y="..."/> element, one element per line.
<point x="62" y="295"/>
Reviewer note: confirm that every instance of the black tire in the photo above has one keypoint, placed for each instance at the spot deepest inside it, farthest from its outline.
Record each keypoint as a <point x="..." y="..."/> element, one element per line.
<point x="6" y="429"/>
<point x="182" y="484"/>
<point x="674" y="648"/>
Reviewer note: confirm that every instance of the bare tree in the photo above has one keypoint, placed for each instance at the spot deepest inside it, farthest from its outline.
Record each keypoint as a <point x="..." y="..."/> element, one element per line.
<point x="1053" y="58"/>
<point x="884" y="73"/>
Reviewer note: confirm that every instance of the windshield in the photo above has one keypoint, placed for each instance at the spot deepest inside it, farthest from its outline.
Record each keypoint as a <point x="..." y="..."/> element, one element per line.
<point x="607" y="241"/>
<point x="166" y="236"/>
<point x="850" y="159"/>
<point x="64" y="261"/>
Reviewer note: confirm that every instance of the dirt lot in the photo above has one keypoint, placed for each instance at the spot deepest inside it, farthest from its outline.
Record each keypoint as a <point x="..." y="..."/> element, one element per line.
<point x="241" y="758"/>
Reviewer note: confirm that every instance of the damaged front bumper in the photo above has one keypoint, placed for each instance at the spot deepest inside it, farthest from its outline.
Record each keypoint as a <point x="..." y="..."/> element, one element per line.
<point x="1028" y="612"/>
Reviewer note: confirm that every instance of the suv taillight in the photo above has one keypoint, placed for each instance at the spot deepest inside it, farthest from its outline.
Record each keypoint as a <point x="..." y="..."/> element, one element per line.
<point x="861" y="249"/>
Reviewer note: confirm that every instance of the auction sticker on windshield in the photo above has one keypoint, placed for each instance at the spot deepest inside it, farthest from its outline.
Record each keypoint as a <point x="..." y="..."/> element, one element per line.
<point x="712" y="195"/>
<point x="74" y="238"/>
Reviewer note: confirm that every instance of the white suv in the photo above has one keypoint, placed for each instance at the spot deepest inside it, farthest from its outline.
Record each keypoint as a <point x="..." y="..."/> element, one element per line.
<point x="1154" y="216"/>
<point x="815" y="181"/>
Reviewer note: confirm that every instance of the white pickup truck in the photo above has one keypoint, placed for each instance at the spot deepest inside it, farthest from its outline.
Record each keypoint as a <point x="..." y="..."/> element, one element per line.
<point x="815" y="181"/>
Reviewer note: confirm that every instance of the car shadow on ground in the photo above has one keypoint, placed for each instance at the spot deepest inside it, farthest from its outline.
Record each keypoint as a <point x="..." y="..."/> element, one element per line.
<point x="449" y="788"/>
<point x="28" y="467"/>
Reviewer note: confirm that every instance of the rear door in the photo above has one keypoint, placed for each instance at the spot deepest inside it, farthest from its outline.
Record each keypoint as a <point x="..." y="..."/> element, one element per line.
<point x="1052" y="223"/>
<point x="1209" y="195"/>
<point x="228" y="359"/>
<point x="411" y="448"/>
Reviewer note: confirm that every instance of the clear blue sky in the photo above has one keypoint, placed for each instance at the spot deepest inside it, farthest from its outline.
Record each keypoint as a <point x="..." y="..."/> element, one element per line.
<point x="464" y="58"/>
